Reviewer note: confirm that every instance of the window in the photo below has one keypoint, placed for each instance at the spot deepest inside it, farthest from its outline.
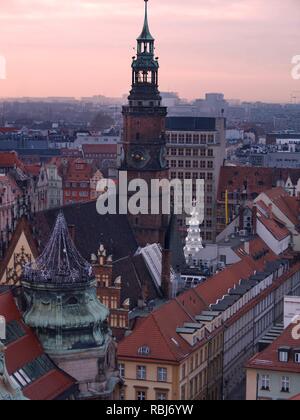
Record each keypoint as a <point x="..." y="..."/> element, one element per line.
<point x="188" y="152"/>
<point x="141" y="373"/>
<point x="210" y="153"/>
<point x="265" y="383"/>
<point x="195" y="164"/>
<point x="181" y="138"/>
<point x="285" y="384"/>
<point x="203" y="139"/>
<point x="161" y="396"/>
<point x="122" y="370"/>
<point x="283" y="356"/>
<point x="173" y="152"/>
<point x="188" y="139"/>
<point x="196" y="138"/>
<point x="162" y="375"/>
<point x="144" y="351"/>
<point x="114" y="302"/>
<point x="141" y="395"/>
<point x="297" y="357"/>
<point x="211" y="138"/>
<point x="210" y="164"/>
<point x="181" y="152"/>
<point x="195" y="152"/>
<point x="188" y="164"/>
<point x="202" y="164"/>
<point x="173" y="163"/>
<point x="202" y="152"/>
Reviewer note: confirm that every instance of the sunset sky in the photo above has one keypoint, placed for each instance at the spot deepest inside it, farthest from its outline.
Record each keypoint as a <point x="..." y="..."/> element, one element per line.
<point x="80" y="48"/>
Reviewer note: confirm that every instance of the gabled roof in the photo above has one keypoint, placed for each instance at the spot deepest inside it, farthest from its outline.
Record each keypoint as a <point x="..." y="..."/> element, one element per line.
<point x="10" y="160"/>
<point x="25" y="356"/>
<point x="258" y="180"/>
<point x="269" y="360"/>
<point x="159" y="330"/>
<point x="279" y="231"/>
<point x="288" y="205"/>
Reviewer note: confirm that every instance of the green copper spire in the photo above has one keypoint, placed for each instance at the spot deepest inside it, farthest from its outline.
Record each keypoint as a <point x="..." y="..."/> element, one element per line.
<point x="146" y="35"/>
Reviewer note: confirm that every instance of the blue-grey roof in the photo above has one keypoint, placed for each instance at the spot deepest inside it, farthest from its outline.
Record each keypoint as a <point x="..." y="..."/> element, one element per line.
<point x="191" y="124"/>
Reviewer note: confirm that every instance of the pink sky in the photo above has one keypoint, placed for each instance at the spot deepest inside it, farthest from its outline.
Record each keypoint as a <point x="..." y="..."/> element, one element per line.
<point x="84" y="47"/>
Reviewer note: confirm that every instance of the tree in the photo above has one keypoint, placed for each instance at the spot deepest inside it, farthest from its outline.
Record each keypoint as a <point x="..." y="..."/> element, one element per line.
<point x="102" y="121"/>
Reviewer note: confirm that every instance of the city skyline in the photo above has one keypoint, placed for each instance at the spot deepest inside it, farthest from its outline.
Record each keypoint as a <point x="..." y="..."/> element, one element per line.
<point x="82" y="48"/>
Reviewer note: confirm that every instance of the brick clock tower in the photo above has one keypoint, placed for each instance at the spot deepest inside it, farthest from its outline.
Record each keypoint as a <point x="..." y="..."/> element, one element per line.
<point x="144" y="141"/>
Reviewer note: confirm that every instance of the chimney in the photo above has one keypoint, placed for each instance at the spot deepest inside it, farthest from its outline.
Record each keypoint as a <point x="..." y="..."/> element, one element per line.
<point x="254" y="219"/>
<point x="166" y="274"/>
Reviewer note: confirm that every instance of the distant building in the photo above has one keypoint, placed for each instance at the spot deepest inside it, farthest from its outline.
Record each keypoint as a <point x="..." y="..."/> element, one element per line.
<point x="76" y="181"/>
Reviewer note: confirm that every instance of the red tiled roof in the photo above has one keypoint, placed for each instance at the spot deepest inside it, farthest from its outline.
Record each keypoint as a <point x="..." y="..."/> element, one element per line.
<point x="158" y="330"/>
<point x="25" y="350"/>
<point x="49" y="387"/>
<point x="33" y="169"/>
<point x="234" y="178"/>
<point x="288" y="205"/>
<point x="10" y="159"/>
<point x="279" y="232"/>
<point x="79" y="170"/>
<point x="4" y="130"/>
<point x="296" y="398"/>
<point x="258" y="180"/>
<point x="268" y="359"/>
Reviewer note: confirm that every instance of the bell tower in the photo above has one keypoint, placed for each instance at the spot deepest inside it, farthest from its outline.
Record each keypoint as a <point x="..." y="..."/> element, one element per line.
<point x="144" y="140"/>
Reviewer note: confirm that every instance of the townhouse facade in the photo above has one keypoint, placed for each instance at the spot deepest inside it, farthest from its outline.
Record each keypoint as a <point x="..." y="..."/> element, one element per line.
<point x="274" y="373"/>
<point x="225" y="318"/>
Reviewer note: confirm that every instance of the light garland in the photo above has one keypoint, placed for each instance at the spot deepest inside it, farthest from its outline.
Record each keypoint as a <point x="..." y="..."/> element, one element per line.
<point x="59" y="260"/>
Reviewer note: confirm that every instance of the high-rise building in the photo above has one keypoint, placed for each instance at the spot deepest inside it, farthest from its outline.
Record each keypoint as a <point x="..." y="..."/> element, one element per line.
<point x="144" y="141"/>
<point x="196" y="150"/>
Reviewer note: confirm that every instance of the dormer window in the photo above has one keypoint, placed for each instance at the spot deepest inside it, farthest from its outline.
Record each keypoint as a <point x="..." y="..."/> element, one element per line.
<point x="297" y="356"/>
<point x="283" y="355"/>
<point x="144" y="351"/>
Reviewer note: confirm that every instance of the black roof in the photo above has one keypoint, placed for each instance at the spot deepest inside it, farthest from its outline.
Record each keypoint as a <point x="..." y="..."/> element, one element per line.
<point x="191" y="124"/>
<point x="91" y="229"/>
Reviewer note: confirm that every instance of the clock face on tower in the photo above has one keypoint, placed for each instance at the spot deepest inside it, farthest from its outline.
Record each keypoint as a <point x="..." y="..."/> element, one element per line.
<point x="138" y="157"/>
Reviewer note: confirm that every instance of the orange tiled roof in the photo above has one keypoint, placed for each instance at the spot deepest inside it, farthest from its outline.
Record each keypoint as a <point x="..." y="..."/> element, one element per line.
<point x="26" y="349"/>
<point x="10" y="159"/>
<point x="288" y="205"/>
<point x="268" y="359"/>
<point x="158" y="330"/>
